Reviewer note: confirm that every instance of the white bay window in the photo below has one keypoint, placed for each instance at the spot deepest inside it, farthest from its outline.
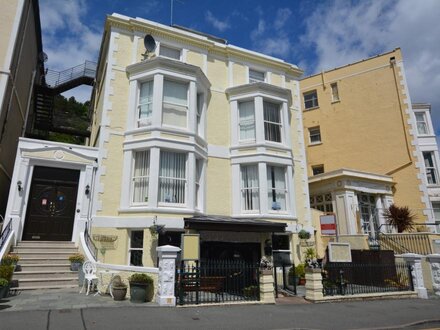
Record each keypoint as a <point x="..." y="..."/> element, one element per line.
<point x="175" y="104"/>
<point x="172" y="178"/>
<point x="250" y="199"/>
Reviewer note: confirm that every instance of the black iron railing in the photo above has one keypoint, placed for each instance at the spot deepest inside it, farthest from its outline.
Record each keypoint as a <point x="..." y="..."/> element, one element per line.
<point x="5" y="234"/>
<point x="90" y="245"/>
<point x="349" y="278"/>
<point x="56" y="78"/>
<point x="215" y="281"/>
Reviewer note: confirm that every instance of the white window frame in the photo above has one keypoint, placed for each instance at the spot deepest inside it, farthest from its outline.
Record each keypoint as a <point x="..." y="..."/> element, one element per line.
<point x="322" y="202"/>
<point x="246" y="122"/>
<point x="132" y="176"/>
<point x="258" y="72"/>
<point x="280" y="124"/>
<point x="184" y="107"/>
<point x="243" y="189"/>
<point x="315" y="132"/>
<point x="314" y="100"/>
<point x="433" y="168"/>
<point x="285" y="189"/>
<point x="424" y="123"/>
<point x="198" y="198"/>
<point x="317" y="167"/>
<point x="142" y="122"/>
<point x="184" y="180"/>
<point x="171" y="48"/>
<point x="335" y="92"/>
<point x="135" y="249"/>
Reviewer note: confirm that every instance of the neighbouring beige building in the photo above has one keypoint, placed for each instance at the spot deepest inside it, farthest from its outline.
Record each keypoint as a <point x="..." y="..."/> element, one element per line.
<point x="362" y="144"/>
<point x="20" y="68"/>
<point x="199" y="136"/>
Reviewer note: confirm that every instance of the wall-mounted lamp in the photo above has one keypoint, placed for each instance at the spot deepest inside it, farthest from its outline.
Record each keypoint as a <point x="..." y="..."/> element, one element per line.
<point x="87" y="191"/>
<point x="19" y="186"/>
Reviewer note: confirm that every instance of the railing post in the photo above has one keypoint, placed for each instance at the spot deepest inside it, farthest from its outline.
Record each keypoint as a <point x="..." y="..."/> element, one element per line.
<point x="167" y="269"/>
<point x="314" y="284"/>
<point x="434" y="263"/>
<point x="415" y="261"/>
<point x="267" y="286"/>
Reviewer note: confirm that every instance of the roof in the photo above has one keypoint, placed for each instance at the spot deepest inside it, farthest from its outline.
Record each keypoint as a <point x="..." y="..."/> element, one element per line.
<point x="226" y="223"/>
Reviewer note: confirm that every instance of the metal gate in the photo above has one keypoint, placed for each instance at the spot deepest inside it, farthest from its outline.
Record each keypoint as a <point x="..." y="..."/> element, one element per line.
<point x="217" y="281"/>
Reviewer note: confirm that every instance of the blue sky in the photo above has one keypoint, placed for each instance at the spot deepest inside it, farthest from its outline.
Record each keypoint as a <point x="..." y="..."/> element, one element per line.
<point x="315" y="35"/>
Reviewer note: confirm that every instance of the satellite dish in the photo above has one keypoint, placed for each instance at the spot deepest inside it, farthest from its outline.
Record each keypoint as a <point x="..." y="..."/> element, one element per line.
<point x="149" y="43"/>
<point x="42" y="57"/>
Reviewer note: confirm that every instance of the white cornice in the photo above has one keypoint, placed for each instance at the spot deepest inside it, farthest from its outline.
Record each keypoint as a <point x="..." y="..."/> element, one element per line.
<point x="259" y="88"/>
<point x="343" y="172"/>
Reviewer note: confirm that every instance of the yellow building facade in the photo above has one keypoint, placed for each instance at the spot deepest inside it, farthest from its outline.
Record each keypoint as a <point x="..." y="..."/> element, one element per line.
<point x="197" y="136"/>
<point x="362" y="145"/>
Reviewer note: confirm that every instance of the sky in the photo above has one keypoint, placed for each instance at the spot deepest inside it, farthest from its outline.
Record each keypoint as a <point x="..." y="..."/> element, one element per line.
<point x="315" y="35"/>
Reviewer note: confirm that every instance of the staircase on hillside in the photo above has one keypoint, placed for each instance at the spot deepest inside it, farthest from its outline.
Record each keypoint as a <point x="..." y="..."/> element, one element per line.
<point x="45" y="265"/>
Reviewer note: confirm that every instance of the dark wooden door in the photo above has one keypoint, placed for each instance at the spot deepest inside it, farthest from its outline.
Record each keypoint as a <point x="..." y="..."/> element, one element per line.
<point x="51" y="206"/>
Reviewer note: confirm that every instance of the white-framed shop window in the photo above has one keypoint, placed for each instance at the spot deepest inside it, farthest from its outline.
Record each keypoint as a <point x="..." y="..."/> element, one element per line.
<point x="250" y="191"/>
<point x="175" y="104"/>
<point x="246" y="113"/>
<point x="256" y="76"/>
<point x="145" y="104"/>
<point x="170" y="52"/>
<point x="140" y="177"/>
<point x="172" y="178"/>
<point x="272" y="122"/>
<point x="276" y="188"/>
<point x="136" y="246"/>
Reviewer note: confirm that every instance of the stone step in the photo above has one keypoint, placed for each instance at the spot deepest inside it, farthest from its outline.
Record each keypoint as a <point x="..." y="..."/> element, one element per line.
<point x="45" y="267"/>
<point x="45" y="245"/>
<point x="38" y="282"/>
<point x="53" y="260"/>
<point x="45" y="255"/>
<point x="48" y="274"/>
<point x="46" y="242"/>
<point x="49" y="287"/>
<point x="54" y="249"/>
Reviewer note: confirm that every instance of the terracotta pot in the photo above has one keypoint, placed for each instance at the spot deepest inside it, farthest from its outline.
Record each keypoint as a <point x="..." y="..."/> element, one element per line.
<point x="119" y="293"/>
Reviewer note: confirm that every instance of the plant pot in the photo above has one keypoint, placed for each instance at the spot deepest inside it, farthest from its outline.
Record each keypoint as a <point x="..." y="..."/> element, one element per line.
<point x="75" y="266"/>
<point x="4" y="290"/>
<point x="302" y="281"/>
<point x="119" y="293"/>
<point x="141" y="292"/>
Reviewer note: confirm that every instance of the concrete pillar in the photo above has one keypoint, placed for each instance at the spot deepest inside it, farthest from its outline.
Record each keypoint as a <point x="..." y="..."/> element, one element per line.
<point x="415" y="261"/>
<point x="267" y="294"/>
<point x="434" y="263"/>
<point x="167" y="269"/>
<point x="314" y="284"/>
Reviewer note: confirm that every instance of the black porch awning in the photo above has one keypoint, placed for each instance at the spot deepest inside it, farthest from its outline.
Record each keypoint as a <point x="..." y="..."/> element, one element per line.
<point x="225" y="223"/>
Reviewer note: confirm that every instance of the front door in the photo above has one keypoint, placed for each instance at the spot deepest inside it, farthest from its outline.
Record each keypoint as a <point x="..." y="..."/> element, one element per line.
<point x="51" y="206"/>
<point x="369" y="220"/>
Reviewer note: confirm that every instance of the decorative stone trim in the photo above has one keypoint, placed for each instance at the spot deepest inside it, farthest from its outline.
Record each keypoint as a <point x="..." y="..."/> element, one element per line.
<point x="415" y="261"/>
<point x="434" y="263"/>
<point x="314" y="284"/>
<point x="167" y="255"/>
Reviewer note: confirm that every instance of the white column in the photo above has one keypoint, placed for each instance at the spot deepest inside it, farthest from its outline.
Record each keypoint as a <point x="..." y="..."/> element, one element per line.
<point x="167" y="270"/>
<point x="192" y="106"/>
<point x="157" y="100"/>
<point x="259" y="120"/>
<point x="415" y="261"/>
<point x="153" y="186"/>
<point x="234" y="123"/>
<point x="434" y="263"/>
<point x="191" y="181"/>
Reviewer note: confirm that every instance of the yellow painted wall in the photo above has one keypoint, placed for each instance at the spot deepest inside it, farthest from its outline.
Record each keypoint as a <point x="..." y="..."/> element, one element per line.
<point x="217" y="72"/>
<point x="239" y="74"/>
<point x="194" y="58"/>
<point x="9" y="11"/>
<point x="367" y="130"/>
<point x="276" y="80"/>
<point x="219" y="113"/>
<point x="218" y="186"/>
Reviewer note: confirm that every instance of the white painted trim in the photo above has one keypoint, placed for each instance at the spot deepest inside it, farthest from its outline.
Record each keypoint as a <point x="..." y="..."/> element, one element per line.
<point x="136" y="269"/>
<point x="137" y="222"/>
<point x="218" y="151"/>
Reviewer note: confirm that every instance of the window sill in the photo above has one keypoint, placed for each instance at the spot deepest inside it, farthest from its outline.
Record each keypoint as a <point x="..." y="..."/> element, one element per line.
<point x="337" y="101"/>
<point x="315" y="144"/>
<point x="160" y="209"/>
<point x="313" y="108"/>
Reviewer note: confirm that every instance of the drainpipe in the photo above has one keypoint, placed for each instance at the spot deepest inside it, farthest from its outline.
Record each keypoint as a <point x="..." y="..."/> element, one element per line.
<point x="31" y="88"/>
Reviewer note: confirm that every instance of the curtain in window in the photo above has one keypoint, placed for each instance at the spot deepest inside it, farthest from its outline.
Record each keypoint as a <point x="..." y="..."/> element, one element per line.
<point x="272" y="122"/>
<point x="249" y="188"/>
<point x="172" y="177"/>
<point x="175" y="103"/>
<point x="140" y="177"/>
<point x="276" y="187"/>
<point x="145" y="103"/>
<point x="247" y="120"/>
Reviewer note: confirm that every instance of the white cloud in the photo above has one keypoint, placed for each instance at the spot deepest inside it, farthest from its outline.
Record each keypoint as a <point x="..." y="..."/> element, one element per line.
<point x="216" y="23"/>
<point x="68" y="38"/>
<point x="272" y="38"/>
<point x="343" y="32"/>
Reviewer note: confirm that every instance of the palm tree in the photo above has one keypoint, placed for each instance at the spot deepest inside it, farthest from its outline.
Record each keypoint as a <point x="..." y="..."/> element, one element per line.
<point x="400" y="217"/>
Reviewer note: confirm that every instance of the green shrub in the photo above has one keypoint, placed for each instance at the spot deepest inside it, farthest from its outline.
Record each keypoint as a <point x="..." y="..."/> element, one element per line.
<point x="304" y="234"/>
<point x="141" y="278"/>
<point x="3" y="282"/>
<point x="6" y="272"/>
<point x="300" y="271"/>
<point x="77" y="257"/>
<point x="10" y="259"/>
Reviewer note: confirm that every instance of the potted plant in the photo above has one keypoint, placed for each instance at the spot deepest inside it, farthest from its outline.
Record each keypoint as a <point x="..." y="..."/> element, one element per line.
<point x="4" y="288"/>
<point x="400" y="217"/>
<point x="141" y="288"/>
<point x="250" y="292"/>
<point x="119" y="289"/>
<point x="6" y="272"/>
<point x="76" y="260"/>
<point x="300" y="273"/>
<point x="303" y="234"/>
<point x="291" y="276"/>
<point x="10" y="259"/>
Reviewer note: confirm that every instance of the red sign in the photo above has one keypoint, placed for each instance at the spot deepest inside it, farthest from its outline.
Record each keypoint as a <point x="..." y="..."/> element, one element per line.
<point x="328" y="224"/>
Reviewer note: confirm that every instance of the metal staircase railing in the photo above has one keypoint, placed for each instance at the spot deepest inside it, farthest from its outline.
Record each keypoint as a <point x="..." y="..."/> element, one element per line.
<point x="5" y="234"/>
<point x="55" y="79"/>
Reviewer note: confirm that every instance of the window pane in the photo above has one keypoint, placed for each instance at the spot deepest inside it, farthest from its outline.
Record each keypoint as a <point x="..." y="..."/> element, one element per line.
<point x="335" y="92"/>
<point x="431" y="171"/>
<point x="199" y="113"/>
<point x="141" y="176"/>
<point x="421" y="123"/>
<point x="247" y="120"/>
<point x="172" y="177"/>
<point x="315" y="135"/>
<point x="311" y="100"/>
<point x="137" y="239"/>
<point x="436" y="208"/>
<point x="249" y="188"/>
<point x="318" y="169"/>
<point x="175" y="103"/>
<point x="136" y="258"/>
<point x="169" y="52"/>
<point x="272" y="122"/>
<point x="199" y="167"/>
<point x="256" y="76"/>
<point x="276" y="187"/>
<point x="145" y="103"/>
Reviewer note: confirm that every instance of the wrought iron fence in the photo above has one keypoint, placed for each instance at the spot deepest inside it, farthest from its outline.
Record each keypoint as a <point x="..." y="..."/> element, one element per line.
<point x="91" y="246"/>
<point x="5" y="233"/>
<point x="349" y="278"/>
<point x="215" y="281"/>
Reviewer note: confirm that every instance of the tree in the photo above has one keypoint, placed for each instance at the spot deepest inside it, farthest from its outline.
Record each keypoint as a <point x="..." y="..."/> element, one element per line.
<point x="400" y="217"/>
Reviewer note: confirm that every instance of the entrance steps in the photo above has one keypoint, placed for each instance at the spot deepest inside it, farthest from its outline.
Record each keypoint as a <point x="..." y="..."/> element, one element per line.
<point x="45" y="265"/>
